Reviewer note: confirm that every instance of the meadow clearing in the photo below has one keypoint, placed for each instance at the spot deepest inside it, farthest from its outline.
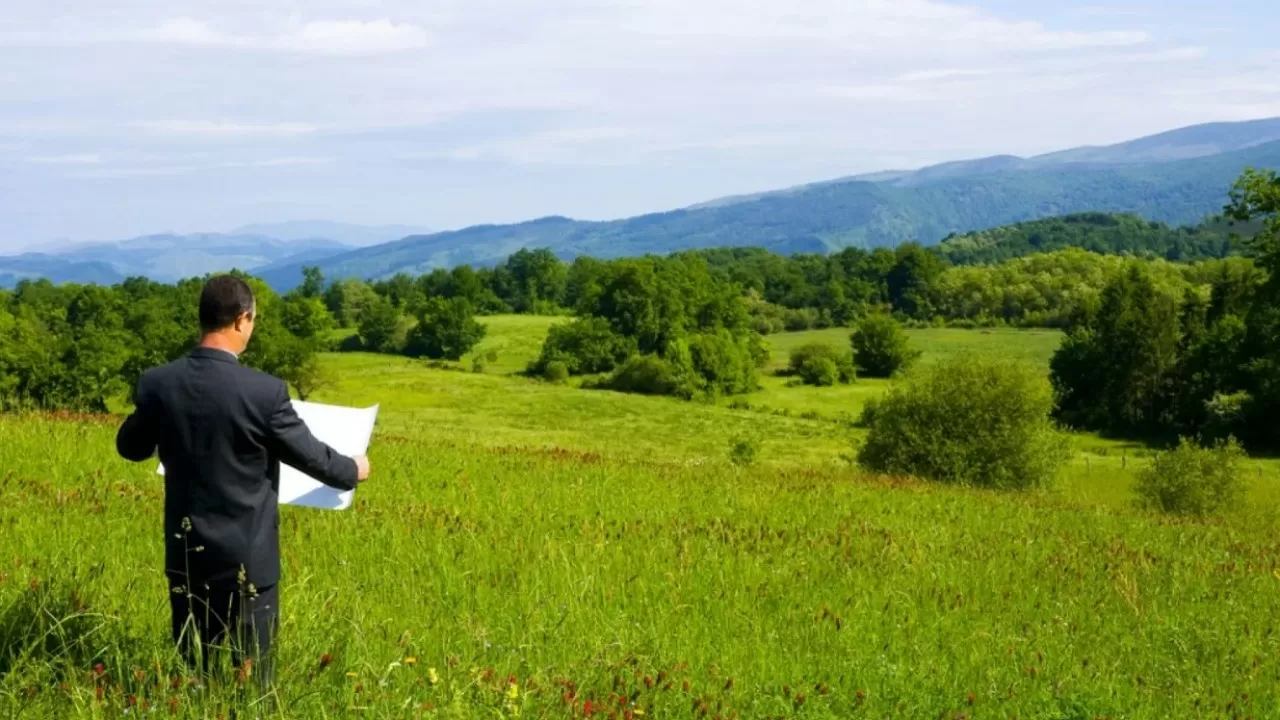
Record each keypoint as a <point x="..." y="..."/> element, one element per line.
<point x="537" y="550"/>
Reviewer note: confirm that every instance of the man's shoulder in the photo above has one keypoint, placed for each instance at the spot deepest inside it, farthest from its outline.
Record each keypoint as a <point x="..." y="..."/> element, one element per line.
<point x="257" y="380"/>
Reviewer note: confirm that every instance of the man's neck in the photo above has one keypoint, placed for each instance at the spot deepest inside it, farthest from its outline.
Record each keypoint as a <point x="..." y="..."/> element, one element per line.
<point x="213" y="342"/>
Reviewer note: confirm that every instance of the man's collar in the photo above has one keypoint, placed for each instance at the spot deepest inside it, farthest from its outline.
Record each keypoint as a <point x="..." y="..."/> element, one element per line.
<point x="214" y="353"/>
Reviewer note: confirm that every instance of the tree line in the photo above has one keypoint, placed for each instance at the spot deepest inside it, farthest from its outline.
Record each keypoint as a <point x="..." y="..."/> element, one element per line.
<point x="691" y="323"/>
<point x="1148" y="361"/>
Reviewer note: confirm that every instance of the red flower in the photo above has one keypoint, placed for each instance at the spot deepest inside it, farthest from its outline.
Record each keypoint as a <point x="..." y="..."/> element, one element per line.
<point x="588" y="708"/>
<point x="325" y="659"/>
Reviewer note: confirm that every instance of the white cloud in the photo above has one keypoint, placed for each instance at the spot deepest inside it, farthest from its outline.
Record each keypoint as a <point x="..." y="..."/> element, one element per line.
<point x="209" y="128"/>
<point x="74" y="159"/>
<point x="356" y="38"/>
<point x="286" y="162"/>
<point x="734" y="94"/>
<point x="337" y="37"/>
<point x="942" y="74"/>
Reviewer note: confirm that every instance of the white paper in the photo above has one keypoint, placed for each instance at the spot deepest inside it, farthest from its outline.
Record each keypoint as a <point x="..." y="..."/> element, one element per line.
<point x="345" y="429"/>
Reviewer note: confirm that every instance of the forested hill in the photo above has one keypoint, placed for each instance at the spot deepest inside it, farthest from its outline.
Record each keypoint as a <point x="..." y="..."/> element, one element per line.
<point x="831" y="216"/>
<point x="1109" y="234"/>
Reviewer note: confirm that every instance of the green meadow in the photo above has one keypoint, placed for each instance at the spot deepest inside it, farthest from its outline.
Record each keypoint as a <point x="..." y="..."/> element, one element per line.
<point x="525" y="549"/>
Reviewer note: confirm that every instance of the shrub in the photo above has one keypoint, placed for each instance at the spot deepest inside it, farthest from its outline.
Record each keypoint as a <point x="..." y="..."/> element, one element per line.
<point x="807" y="355"/>
<point x="819" y="371"/>
<point x="556" y="372"/>
<point x="645" y="375"/>
<point x="1192" y="480"/>
<point x="585" y="346"/>
<point x="802" y="319"/>
<point x="446" y="329"/>
<point x="969" y="421"/>
<point x="722" y="364"/>
<point x="479" y="364"/>
<point x="744" y="450"/>
<point x="880" y="347"/>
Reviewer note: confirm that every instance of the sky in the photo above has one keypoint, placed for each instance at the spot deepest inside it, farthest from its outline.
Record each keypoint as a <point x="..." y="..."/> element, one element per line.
<point x="142" y="116"/>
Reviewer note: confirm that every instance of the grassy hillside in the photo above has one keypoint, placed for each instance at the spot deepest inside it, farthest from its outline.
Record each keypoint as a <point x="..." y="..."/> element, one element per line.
<point x="834" y="215"/>
<point x="529" y="548"/>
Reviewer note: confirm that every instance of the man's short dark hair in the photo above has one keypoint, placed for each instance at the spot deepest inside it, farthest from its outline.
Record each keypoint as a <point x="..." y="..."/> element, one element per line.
<point x="224" y="298"/>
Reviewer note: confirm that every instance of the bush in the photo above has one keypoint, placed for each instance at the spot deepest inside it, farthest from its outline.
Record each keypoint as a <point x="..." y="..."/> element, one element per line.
<point x="721" y="364"/>
<point x="819" y="371"/>
<point x="1192" y="480"/>
<point x="880" y="347"/>
<point x="446" y="329"/>
<point x="585" y="346"/>
<point x="802" y="319"/>
<point x="744" y="450"/>
<point x="969" y="421"/>
<point x="556" y="372"/>
<point x="645" y="375"/>
<point x="808" y="355"/>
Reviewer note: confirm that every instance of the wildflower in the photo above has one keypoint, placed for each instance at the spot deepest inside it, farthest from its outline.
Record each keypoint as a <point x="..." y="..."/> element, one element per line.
<point x="513" y="692"/>
<point x="588" y="708"/>
<point x="411" y="661"/>
<point x="432" y="676"/>
<point x="186" y="524"/>
<point x="325" y="659"/>
<point x="353" y="675"/>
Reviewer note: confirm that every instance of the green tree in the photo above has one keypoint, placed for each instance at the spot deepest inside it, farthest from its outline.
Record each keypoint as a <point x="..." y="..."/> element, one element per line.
<point x="880" y="347"/>
<point x="584" y="346"/>
<point x="1256" y="197"/>
<point x="305" y="316"/>
<point x="312" y="282"/>
<point x="912" y="280"/>
<point x="1117" y="373"/>
<point x="446" y="329"/>
<point x="380" y="326"/>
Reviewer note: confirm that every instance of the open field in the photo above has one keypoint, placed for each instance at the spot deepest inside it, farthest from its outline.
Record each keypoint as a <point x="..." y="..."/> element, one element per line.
<point x="591" y="545"/>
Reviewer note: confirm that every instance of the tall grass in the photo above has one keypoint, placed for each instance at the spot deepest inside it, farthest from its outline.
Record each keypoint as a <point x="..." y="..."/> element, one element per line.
<point x="526" y="549"/>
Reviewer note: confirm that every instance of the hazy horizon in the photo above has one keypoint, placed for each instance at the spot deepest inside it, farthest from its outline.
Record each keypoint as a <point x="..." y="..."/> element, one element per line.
<point x="196" y="116"/>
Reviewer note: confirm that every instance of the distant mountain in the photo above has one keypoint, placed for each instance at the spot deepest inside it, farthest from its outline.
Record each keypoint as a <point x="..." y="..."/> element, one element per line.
<point x="1110" y="234"/>
<point x="164" y="258"/>
<point x="37" y="265"/>
<point x="1182" y="144"/>
<point x="354" y="235"/>
<point x="926" y="206"/>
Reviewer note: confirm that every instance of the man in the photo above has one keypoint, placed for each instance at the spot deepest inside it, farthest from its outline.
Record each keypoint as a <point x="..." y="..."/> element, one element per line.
<point x="222" y="431"/>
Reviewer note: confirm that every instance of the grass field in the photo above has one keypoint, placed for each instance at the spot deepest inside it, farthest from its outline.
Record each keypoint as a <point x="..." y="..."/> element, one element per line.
<point x="526" y="549"/>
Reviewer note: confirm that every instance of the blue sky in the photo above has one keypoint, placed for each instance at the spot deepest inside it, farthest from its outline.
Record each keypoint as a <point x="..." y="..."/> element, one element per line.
<point x="140" y="116"/>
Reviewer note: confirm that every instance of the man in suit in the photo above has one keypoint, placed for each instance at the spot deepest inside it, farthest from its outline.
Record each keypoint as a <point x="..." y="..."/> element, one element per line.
<point x="222" y="431"/>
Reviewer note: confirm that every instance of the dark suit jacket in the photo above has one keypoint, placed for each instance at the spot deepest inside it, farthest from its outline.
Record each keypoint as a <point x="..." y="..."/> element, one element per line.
<point x="222" y="431"/>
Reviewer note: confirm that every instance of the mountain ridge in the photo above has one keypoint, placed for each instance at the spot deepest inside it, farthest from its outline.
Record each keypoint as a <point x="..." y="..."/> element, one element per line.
<point x="835" y="214"/>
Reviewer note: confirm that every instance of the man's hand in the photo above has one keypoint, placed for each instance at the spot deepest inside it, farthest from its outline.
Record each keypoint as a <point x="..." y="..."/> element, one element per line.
<point x="362" y="467"/>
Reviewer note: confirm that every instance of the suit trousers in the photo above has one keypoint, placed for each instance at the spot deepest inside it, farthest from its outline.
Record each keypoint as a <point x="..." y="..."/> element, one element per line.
<point x="207" y="620"/>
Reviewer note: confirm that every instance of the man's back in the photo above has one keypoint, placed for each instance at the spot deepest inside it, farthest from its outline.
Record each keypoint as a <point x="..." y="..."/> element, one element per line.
<point x="222" y="431"/>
